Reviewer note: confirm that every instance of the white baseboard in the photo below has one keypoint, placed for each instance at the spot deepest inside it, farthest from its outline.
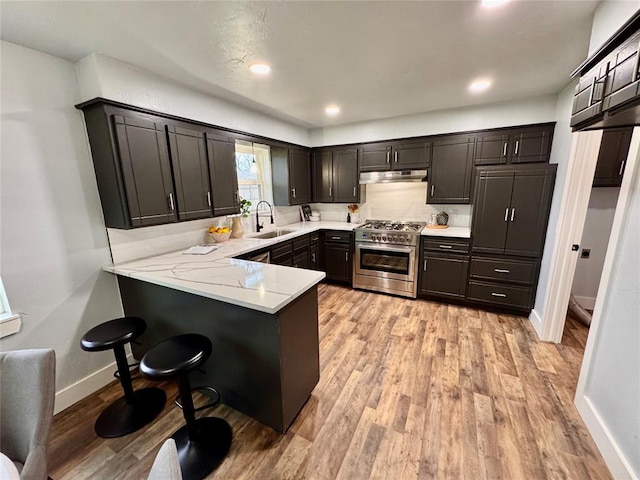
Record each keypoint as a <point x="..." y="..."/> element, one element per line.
<point x="85" y="387"/>
<point x="618" y="465"/>
<point x="536" y="321"/>
<point x="586" y="302"/>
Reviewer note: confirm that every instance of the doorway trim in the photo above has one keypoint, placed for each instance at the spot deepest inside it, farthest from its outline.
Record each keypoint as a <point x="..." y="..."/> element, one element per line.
<point x="585" y="147"/>
<point x="605" y="441"/>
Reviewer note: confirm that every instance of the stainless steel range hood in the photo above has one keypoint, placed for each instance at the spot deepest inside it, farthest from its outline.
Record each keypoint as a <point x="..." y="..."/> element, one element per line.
<point x="393" y="177"/>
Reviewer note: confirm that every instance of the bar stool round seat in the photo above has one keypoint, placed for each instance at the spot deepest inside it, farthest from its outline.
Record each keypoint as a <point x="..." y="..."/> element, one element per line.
<point x="204" y="442"/>
<point x="136" y="408"/>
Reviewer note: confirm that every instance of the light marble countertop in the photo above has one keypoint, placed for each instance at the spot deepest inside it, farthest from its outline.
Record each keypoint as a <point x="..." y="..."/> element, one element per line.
<point x="264" y="287"/>
<point x="456" y="232"/>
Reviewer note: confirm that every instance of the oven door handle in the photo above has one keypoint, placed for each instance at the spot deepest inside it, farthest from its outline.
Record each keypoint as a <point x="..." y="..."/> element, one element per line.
<point x="386" y="248"/>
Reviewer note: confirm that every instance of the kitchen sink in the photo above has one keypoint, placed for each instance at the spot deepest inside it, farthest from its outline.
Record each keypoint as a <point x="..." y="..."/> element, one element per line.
<point x="274" y="233"/>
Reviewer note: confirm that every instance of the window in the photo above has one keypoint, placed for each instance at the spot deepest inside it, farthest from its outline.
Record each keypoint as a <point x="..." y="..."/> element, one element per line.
<point x="253" y="165"/>
<point x="9" y="323"/>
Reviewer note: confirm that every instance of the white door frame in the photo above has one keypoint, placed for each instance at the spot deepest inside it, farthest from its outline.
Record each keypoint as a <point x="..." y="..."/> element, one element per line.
<point x="605" y="441"/>
<point x="585" y="147"/>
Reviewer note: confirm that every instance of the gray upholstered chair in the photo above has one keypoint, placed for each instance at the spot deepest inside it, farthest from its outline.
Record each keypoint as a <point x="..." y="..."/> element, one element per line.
<point x="27" y="394"/>
<point x="166" y="465"/>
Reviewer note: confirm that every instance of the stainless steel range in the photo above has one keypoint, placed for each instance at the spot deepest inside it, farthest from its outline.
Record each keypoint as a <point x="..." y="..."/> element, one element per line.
<point x="386" y="257"/>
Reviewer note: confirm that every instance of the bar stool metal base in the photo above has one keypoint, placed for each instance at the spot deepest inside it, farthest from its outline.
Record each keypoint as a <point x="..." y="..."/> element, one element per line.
<point x="207" y="447"/>
<point x="121" y="418"/>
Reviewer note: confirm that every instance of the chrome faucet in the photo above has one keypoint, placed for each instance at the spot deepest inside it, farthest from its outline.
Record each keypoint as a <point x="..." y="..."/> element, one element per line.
<point x="258" y="225"/>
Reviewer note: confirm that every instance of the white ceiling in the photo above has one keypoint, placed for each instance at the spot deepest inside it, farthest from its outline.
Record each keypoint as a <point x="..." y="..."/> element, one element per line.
<point x="374" y="59"/>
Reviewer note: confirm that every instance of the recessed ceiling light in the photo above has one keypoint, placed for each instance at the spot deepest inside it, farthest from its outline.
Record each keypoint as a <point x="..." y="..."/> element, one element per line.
<point x="493" y="3"/>
<point x="479" y="85"/>
<point x="260" y="68"/>
<point x="332" y="110"/>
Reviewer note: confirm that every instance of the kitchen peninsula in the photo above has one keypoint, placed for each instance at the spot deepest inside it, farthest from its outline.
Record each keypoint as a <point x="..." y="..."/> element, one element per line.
<point x="262" y="320"/>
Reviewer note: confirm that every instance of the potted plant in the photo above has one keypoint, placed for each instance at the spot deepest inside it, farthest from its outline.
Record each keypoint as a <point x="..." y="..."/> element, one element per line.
<point x="237" y="229"/>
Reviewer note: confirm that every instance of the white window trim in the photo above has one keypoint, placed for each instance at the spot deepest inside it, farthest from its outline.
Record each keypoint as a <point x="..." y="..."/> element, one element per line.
<point x="10" y="323"/>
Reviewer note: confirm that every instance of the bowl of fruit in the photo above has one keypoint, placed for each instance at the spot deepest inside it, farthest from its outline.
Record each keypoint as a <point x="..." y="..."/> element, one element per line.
<point x="220" y="234"/>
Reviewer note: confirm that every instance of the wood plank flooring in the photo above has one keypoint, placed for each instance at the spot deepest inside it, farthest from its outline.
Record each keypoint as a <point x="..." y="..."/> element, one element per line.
<point x="408" y="389"/>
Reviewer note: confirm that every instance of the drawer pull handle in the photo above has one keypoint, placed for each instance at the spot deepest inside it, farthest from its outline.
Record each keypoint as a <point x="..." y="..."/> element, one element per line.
<point x="501" y="270"/>
<point x="336" y="238"/>
<point x="498" y="294"/>
<point x="445" y="246"/>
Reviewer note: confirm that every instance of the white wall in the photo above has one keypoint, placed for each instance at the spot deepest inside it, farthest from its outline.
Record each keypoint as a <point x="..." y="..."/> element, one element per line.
<point x="506" y="114"/>
<point x="595" y="237"/>
<point x="102" y="76"/>
<point x="611" y="372"/>
<point x="53" y="241"/>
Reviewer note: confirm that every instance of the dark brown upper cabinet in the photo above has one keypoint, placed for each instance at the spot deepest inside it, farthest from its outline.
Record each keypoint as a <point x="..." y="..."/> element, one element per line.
<point x="335" y="176"/>
<point x="451" y="170"/>
<point x="608" y="91"/>
<point x="612" y="157"/>
<point x="402" y="155"/>
<point x="291" y="174"/>
<point x="132" y="166"/>
<point x="511" y="209"/>
<point x="221" y="150"/>
<point x="190" y="172"/>
<point x="520" y="145"/>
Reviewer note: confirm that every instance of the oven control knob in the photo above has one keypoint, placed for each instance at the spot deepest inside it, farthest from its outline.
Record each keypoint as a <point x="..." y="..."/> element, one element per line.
<point x="394" y="238"/>
<point x="384" y="238"/>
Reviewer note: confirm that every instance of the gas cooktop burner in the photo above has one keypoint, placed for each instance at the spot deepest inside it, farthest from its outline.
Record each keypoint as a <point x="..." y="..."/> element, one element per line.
<point x="388" y="225"/>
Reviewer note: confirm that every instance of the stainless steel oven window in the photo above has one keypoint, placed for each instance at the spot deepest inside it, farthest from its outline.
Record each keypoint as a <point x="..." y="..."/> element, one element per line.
<point x="384" y="261"/>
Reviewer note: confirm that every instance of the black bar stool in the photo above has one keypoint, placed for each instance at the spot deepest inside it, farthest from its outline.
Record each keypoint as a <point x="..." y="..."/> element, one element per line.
<point x="138" y="407"/>
<point x="204" y="442"/>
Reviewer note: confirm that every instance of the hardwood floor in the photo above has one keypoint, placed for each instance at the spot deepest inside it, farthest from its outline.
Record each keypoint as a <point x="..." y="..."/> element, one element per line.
<point x="408" y="389"/>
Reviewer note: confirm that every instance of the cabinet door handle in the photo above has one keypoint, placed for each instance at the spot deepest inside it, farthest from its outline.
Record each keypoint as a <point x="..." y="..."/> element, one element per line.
<point x="171" y="204"/>
<point x="313" y="257"/>
<point x="501" y="270"/>
<point x="513" y="212"/>
<point x="354" y="191"/>
<point x="636" y="75"/>
<point x="432" y="188"/>
<point x="494" y="294"/>
<point x="504" y="149"/>
<point x="517" y="145"/>
<point x="425" y="265"/>
<point x="237" y="197"/>
<point x="388" y="155"/>
<point x="209" y="199"/>
<point x="506" y="214"/>
<point x="624" y="161"/>
<point x="593" y="91"/>
<point x="346" y="256"/>
<point x="395" y="157"/>
<point x="293" y="192"/>
<point x="330" y="192"/>
<point x="445" y="246"/>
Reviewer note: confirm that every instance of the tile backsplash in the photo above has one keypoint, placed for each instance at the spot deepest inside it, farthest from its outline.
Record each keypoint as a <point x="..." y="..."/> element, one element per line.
<point x="397" y="201"/>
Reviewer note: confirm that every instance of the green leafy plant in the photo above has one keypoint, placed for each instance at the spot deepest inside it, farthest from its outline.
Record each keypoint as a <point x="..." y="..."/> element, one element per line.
<point x="245" y="205"/>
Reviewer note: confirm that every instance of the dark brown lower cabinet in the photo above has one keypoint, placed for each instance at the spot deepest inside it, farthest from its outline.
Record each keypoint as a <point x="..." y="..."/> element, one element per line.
<point x="444" y="274"/>
<point x="337" y="256"/>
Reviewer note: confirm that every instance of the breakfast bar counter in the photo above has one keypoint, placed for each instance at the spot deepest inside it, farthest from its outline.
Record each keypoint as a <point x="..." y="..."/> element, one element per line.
<point x="262" y="320"/>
